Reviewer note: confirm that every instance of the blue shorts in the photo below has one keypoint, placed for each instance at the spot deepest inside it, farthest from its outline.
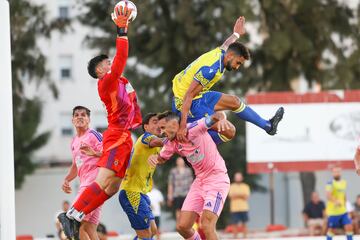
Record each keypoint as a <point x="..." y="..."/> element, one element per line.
<point x="339" y="221"/>
<point x="137" y="207"/>
<point x="201" y="107"/>
<point x="237" y="217"/>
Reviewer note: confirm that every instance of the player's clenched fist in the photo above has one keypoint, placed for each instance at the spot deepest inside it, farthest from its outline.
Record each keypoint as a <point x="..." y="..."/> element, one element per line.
<point x="153" y="160"/>
<point x="66" y="187"/>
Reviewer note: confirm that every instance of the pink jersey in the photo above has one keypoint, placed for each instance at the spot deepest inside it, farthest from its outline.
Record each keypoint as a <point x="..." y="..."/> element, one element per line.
<point x="86" y="165"/>
<point x="201" y="151"/>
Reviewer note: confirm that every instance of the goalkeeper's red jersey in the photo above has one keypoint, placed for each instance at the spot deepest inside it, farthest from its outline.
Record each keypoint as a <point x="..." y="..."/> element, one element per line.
<point x="117" y="93"/>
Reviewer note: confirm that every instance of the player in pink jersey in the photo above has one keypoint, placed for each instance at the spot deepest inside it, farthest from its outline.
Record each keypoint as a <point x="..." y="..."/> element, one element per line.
<point x="211" y="185"/>
<point x="86" y="149"/>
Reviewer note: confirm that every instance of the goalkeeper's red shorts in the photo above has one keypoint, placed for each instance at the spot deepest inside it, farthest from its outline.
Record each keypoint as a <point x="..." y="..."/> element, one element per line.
<point x="117" y="147"/>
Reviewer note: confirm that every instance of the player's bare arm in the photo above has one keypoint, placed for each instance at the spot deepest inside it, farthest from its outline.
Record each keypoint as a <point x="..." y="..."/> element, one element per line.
<point x="69" y="177"/>
<point x="194" y="89"/>
<point x="155" y="159"/>
<point x="239" y="30"/>
<point x="244" y="196"/>
<point x="156" y="142"/>
<point x="357" y="160"/>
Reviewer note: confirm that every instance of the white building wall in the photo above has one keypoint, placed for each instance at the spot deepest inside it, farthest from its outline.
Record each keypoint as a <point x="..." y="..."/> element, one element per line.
<point x="79" y="89"/>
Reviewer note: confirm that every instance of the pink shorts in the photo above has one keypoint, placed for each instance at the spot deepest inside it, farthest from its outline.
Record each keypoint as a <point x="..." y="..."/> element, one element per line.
<point x="207" y="194"/>
<point x="94" y="216"/>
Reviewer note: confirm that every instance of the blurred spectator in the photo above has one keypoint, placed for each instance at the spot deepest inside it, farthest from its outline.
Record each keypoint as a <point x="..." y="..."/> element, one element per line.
<point x="156" y="199"/>
<point x="101" y="231"/>
<point x="239" y="194"/>
<point x="180" y="180"/>
<point x="357" y="213"/>
<point x="357" y="159"/>
<point x="353" y="216"/>
<point x="314" y="215"/>
<point x="59" y="230"/>
<point x="357" y="204"/>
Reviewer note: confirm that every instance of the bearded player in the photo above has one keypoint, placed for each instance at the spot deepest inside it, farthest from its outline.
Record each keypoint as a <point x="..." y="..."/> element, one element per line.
<point x="191" y="87"/>
<point x="211" y="185"/>
<point x="124" y="114"/>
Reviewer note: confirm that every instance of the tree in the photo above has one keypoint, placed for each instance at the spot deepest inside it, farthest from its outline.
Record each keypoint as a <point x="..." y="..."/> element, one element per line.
<point x="298" y="39"/>
<point x="28" y="23"/>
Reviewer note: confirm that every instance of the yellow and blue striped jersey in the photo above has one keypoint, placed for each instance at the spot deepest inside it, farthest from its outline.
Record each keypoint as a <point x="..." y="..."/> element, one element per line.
<point x="207" y="70"/>
<point x="337" y="190"/>
<point x="138" y="176"/>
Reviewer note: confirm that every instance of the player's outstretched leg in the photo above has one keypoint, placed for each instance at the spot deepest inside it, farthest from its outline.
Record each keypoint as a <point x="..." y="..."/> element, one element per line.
<point x="275" y="121"/>
<point x="244" y="112"/>
<point x="105" y="186"/>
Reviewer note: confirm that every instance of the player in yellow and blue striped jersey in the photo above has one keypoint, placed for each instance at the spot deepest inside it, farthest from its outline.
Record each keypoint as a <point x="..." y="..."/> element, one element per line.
<point x="138" y="180"/>
<point x="336" y="211"/>
<point x="191" y="87"/>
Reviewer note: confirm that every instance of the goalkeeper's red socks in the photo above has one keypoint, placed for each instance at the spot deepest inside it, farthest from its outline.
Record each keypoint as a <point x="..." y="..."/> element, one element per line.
<point x="92" y="197"/>
<point x="97" y="202"/>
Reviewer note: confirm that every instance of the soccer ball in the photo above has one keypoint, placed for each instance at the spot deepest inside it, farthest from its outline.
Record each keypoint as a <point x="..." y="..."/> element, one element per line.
<point x="130" y="5"/>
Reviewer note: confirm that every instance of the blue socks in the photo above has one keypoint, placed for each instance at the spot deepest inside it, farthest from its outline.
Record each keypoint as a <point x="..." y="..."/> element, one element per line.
<point x="246" y="113"/>
<point x="349" y="236"/>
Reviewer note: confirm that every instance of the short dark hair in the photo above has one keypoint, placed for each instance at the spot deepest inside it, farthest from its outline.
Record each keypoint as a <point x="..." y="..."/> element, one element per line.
<point x="171" y="116"/>
<point x="239" y="49"/>
<point x="147" y="118"/>
<point x="81" y="108"/>
<point x="92" y="64"/>
<point x="164" y="114"/>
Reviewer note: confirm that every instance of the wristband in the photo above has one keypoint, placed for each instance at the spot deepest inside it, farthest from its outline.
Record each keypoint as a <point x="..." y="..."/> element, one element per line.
<point x="209" y="121"/>
<point x="121" y="31"/>
<point x="236" y="34"/>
